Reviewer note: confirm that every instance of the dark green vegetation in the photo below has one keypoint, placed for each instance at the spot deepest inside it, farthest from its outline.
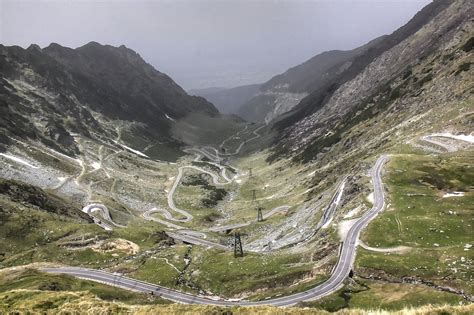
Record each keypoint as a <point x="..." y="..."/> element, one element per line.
<point x="205" y="165"/>
<point x="142" y="139"/>
<point x="200" y="129"/>
<point x="212" y="195"/>
<point x="36" y="197"/>
<point x="438" y="230"/>
<point x="89" y="91"/>
<point x="31" y="218"/>
<point x="463" y="67"/>
<point x="36" y="226"/>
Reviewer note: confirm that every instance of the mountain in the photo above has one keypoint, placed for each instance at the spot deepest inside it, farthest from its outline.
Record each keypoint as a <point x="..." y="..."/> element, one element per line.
<point x="206" y="91"/>
<point x="52" y="93"/>
<point x="284" y="91"/>
<point x="228" y="101"/>
<point x="401" y="76"/>
<point x="360" y="197"/>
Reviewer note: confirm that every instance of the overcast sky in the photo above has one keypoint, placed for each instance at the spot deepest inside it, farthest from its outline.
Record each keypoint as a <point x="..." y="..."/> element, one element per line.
<point x="207" y="43"/>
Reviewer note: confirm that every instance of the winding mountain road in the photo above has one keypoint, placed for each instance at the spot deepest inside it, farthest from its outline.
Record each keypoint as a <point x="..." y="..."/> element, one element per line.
<point x="215" y="178"/>
<point x="335" y="281"/>
<point x="434" y="139"/>
<point x="106" y="222"/>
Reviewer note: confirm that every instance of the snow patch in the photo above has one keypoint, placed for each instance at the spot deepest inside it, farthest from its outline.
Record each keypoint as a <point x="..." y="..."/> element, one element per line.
<point x="169" y="117"/>
<point x="132" y="150"/>
<point x="62" y="155"/>
<point x="95" y="165"/>
<point x="339" y="195"/>
<point x="271" y="197"/>
<point x="462" y="137"/>
<point x="453" y="194"/>
<point x="326" y="225"/>
<point x="18" y="160"/>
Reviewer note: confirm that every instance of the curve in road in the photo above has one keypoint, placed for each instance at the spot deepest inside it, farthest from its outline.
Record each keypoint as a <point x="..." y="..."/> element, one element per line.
<point x="335" y="281"/>
<point x="215" y="178"/>
<point x="106" y="222"/>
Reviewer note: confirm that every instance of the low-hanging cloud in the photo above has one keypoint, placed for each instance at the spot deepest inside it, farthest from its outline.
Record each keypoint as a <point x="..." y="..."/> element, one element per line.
<point x="207" y="43"/>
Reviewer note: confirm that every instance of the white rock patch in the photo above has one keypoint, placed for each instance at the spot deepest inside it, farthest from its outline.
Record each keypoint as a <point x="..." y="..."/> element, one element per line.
<point x="18" y="160"/>
<point x="370" y="197"/>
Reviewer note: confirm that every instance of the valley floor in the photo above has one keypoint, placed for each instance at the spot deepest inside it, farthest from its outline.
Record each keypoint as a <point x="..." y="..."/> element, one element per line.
<point x="175" y="229"/>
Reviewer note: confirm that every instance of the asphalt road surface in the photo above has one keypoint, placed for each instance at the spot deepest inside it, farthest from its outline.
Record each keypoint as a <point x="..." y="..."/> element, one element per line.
<point x="340" y="272"/>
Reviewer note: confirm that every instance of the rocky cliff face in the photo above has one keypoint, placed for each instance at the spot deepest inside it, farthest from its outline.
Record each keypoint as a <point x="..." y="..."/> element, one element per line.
<point x="283" y="92"/>
<point x="49" y="94"/>
<point x="414" y="72"/>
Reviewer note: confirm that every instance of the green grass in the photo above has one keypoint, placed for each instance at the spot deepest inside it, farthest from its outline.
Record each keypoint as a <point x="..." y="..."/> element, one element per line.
<point x="29" y="235"/>
<point x="141" y="140"/>
<point x="155" y="268"/>
<point x="198" y="129"/>
<point x="29" y="279"/>
<point x="368" y="294"/>
<point x="436" y="228"/>
<point x="26" y="231"/>
<point x="416" y="185"/>
<point x="221" y="273"/>
<point x="275" y="184"/>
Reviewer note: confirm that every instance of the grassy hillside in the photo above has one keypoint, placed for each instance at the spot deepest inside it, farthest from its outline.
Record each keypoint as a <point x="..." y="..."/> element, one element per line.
<point x="27" y="291"/>
<point x="421" y="215"/>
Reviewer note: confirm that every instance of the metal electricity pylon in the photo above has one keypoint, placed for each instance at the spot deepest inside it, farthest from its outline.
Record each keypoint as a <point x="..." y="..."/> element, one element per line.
<point x="257" y="206"/>
<point x="259" y="214"/>
<point x="238" y="251"/>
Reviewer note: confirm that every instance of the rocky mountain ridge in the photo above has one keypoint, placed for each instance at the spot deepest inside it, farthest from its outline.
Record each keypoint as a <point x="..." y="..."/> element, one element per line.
<point x="284" y="91"/>
<point x="411" y="71"/>
<point x="51" y="93"/>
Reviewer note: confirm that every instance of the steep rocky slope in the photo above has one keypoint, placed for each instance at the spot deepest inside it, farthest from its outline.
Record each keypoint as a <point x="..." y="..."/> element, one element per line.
<point x="284" y="91"/>
<point x="49" y="94"/>
<point x="418" y="70"/>
<point x="415" y="82"/>
<point x="306" y="87"/>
